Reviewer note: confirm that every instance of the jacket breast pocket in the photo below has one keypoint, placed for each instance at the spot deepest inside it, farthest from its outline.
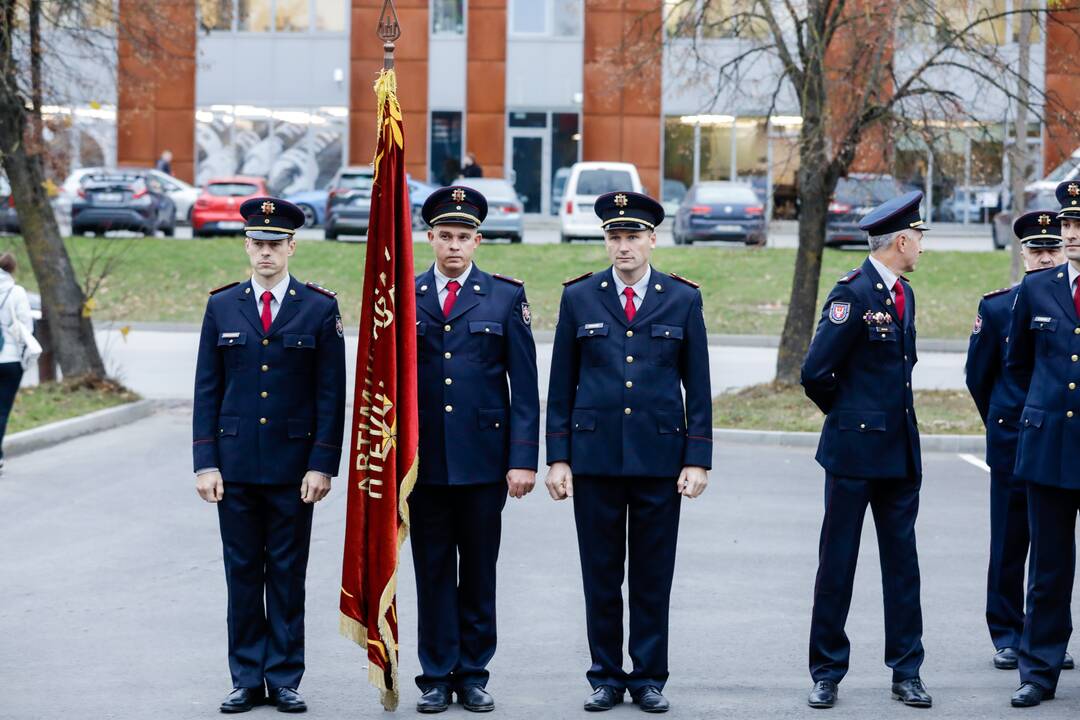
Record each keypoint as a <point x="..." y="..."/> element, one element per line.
<point x="592" y="339"/>
<point x="583" y="420"/>
<point x="670" y="423"/>
<point x="491" y="418"/>
<point x="228" y="426"/>
<point x="666" y="341"/>
<point x="1044" y="323"/>
<point x="299" y="352"/>
<point x="860" y="421"/>
<point x="232" y="346"/>
<point x="485" y="340"/>
<point x="300" y="428"/>
<point x="882" y="333"/>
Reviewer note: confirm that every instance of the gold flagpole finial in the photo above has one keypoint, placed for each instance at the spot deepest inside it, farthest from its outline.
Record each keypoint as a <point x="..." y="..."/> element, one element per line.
<point x="388" y="31"/>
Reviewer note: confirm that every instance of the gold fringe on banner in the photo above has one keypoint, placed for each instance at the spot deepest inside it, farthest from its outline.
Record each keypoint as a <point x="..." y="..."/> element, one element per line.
<point x="388" y="115"/>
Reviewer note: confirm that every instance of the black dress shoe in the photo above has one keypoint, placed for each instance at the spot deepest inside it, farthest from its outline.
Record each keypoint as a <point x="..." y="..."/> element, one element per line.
<point x="651" y="700"/>
<point x="434" y="700"/>
<point x="1030" y="695"/>
<point x="1006" y="659"/>
<point x="288" y="700"/>
<point x="603" y="698"/>
<point x="242" y="699"/>
<point x="1067" y="663"/>
<point x="476" y="699"/>
<point x="912" y="693"/>
<point x="823" y="695"/>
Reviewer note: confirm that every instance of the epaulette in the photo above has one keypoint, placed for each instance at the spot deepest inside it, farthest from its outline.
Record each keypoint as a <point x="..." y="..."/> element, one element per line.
<point x="691" y="283"/>
<point x="319" y="288"/>
<point x="571" y="281"/>
<point x="215" y="291"/>
<point x="995" y="293"/>
<point x="512" y="281"/>
<point x="850" y="276"/>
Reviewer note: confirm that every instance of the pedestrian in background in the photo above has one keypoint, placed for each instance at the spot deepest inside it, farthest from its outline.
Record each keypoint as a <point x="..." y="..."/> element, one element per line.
<point x="164" y="163"/>
<point x="15" y="320"/>
<point x="470" y="168"/>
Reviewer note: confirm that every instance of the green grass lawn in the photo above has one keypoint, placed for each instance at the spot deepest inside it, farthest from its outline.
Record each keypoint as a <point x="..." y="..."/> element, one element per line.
<point x="746" y="290"/>
<point x="769" y="407"/>
<point x="54" y="401"/>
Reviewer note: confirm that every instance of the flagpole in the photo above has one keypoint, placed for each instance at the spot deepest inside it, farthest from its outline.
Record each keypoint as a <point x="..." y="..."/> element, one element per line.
<point x="389" y="30"/>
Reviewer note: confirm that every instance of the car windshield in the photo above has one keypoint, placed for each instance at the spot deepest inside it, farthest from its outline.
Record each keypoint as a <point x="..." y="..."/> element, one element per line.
<point x="598" y="182"/>
<point x="232" y="189"/>
<point x="866" y="191"/>
<point x="355" y="182"/>
<point x="98" y="182"/>
<point x="1065" y="171"/>
<point x="491" y="189"/>
<point x="721" y="194"/>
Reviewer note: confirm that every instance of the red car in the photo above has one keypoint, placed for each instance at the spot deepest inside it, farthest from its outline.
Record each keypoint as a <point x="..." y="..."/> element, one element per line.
<point x="217" y="210"/>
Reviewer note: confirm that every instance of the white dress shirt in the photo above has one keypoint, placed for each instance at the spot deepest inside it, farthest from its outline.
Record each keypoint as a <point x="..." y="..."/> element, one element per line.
<point x="441" y="281"/>
<point x="888" y="277"/>
<point x="278" y="291"/>
<point x="640" y="288"/>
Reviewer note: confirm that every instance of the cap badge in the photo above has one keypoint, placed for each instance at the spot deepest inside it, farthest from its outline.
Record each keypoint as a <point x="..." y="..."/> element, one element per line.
<point x="268" y="208"/>
<point x="1044" y="219"/>
<point x="1073" y="189"/>
<point x="458" y="195"/>
<point x="621" y="200"/>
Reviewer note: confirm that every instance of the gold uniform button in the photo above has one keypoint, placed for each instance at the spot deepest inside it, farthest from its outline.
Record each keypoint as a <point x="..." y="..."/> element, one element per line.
<point x="1001" y="420"/>
<point x="263" y="394"/>
<point x="446" y="328"/>
<point x="265" y="368"/>
<point x="446" y="355"/>
<point x="496" y="425"/>
<point x="629" y="358"/>
<point x="448" y="381"/>
<point x="1075" y="358"/>
<point x="629" y="333"/>
<point x="449" y="408"/>
<point x="1072" y="386"/>
<point x="1076" y="331"/>
<point x="266" y="341"/>
<point x="627" y="411"/>
<point x="862" y="426"/>
<point x="629" y="384"/>
<point x="262" y="421"/>
<point x="888" y="302"/>
<point x="1069" y="414"/>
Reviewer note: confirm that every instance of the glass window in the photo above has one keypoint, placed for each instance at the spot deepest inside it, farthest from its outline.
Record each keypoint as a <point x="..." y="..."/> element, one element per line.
<point x="447" y="17"/>
<point x="445" y="147"/>
<point x="231" y="189"/>
<point x="529" y="16"/>
<point x="566" y="15"/>
<point x="330" y="15"/>
<point x="216" y="14"/>
<point x="679" y="18"/>
<point x="565" y="140"/>
<point x="291" y="16"/>
<point x="598" y="182"/>
<point x="710" y="193"/>
<point x="253" y="15"/>
<point x="732" y="19"/>
<point x="986" y="18"/>
<point x="528" y="119"/>
<point x="678" y="152"/>
<point x="716" y="152"/>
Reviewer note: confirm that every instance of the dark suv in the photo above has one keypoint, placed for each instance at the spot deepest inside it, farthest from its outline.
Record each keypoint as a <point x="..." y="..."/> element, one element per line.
<point x="122" y="200"/>
<point x="855" y="196"/>
<point x="348" y="203"/>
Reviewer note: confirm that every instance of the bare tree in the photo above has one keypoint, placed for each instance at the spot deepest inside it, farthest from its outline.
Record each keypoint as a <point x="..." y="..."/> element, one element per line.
<point x="862" y="74"/>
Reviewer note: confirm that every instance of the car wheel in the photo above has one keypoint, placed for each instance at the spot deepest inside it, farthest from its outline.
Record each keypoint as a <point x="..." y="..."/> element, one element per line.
<point x="310" y="218"/>
<point x="418" y="218"/>
<point x="190" y="210"/>
<point x="677" y="238"/>
<point x="515" y="238"/>
<point x="563" y="238"/>
<point x="331" y="234"/>
<point x="687" y="241"/>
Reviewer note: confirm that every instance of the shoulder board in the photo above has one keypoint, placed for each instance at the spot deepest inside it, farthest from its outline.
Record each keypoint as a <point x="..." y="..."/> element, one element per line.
<point x="850" y="276"/>
<point x="215" y="291"/>
<point x="319" y="288"/>
<point x="691" y="283"/>
<point x="571" y="281"/>
<point x="995" y="293"/>
<point x="512" y="281"/>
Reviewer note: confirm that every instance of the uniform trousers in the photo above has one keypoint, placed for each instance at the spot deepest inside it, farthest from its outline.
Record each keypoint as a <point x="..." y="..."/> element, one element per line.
<point x="895" y="505"/>
<point x="1008" y="555"/>
<point x="1048" y="624"/>
<point x="265" y="537"/>
<point x="614" y="514"/>
<point x="455" y="531"/>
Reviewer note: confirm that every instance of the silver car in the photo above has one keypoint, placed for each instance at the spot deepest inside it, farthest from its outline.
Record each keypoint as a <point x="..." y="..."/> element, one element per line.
<point x="504" y="218"/>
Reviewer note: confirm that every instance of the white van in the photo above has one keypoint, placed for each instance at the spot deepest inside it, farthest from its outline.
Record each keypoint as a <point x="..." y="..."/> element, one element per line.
<point x="589" y="180"/>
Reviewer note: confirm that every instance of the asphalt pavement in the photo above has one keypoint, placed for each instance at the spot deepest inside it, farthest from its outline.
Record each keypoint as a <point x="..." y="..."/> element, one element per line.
<point x="112" y="603"/>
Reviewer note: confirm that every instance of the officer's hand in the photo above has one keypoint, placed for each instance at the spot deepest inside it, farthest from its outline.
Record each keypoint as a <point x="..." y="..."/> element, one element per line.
<point x="693" y="481"/>
<point x="314" y="487"/>
<point x="520" y="482"/>
<point x="210" y="486"/>
<point x="560" y="481"/>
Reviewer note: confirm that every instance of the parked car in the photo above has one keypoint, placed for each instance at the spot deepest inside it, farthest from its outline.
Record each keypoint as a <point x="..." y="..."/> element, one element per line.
<point x="313" y="205"/>
<point x="217" y="211"/>
<point x="674" y="191"/>
<point x="720" y="211"/>
<point x="418" y="193"/>
<point x="504" y="218"/>
<point x="9" y="219"/>
<point x="587" y="181"/>
<point x="558" y="187"/>
<point x="348" y="204"/>
<point x="181" y="193"/>
<point x="122" y="200"/>
<point x="855" y="196"/>
<point x="979" y="201"/>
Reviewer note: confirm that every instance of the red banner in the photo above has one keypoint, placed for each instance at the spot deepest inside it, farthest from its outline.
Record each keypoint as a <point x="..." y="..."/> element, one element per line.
<point x="383" y="452"/>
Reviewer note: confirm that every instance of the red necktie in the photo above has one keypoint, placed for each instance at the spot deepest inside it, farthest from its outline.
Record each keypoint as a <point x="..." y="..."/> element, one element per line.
<point x="451" y="297"/>
<point x="898" y="288"/>
<point x="267" y="296"/>
<point x="630" y="309"/>
<point x="1076" y="297"/>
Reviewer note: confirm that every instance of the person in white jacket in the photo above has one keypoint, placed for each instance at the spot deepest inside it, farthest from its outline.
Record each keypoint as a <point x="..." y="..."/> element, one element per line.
<point x="14" y="308"/>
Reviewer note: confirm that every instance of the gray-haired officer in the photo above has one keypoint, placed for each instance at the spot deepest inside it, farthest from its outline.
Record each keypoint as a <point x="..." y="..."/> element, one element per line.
<point x="623" y="444"/>
<point x="269" y="416"/>
<point x="1000" y="401"/>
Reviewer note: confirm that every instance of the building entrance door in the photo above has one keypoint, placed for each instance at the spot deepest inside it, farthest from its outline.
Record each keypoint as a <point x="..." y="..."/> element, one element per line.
<point x="529" y="155"/>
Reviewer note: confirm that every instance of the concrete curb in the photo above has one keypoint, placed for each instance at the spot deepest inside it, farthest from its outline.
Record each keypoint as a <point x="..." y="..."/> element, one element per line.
<point x="974" y="444"/>
<point x="39" y="438"/>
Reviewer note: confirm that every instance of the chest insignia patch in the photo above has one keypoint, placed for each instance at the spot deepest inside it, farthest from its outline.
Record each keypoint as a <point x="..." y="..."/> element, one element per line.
<point x="978" y="325"/>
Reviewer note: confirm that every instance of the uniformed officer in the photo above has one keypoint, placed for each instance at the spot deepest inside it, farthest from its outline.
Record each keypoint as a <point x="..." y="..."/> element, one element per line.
<point x="269" y="416"/>
<point x="479" y="435"/>
<point x="858" y="371"/>
<point x="621" y="442"/>
<point x="1044" y="357"/>
<point x="1000" y="401"/>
